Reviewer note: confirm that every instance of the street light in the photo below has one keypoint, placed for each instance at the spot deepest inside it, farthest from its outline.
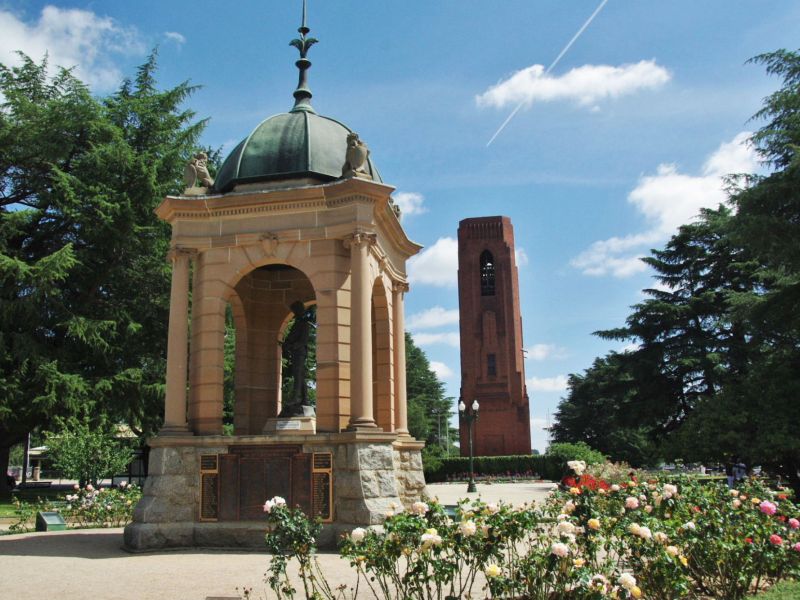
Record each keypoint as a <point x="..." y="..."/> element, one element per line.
<point x="470" y="417"/>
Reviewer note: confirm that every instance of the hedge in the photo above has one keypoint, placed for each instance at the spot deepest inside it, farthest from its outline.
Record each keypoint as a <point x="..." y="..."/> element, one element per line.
<point x="552" y="466"/>
<point x="544" y="466"/>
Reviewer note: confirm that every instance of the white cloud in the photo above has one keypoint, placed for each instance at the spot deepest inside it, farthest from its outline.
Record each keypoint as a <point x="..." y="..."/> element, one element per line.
<point x="71" y="38"/>
<point x="545" y="351"/>
<point x="521" y="257"/>
<point x="632" y="347"/>
<point x="410" y="203"/>
<point x="547" y="384"/>
<point x="432" y="318"/>
<point x="585" y="85"/>
<point x="442" y="370"/>
<point x="667" y="200"/>
<point x="449" y="338"/>
<point x="176" y="37"/>
<point x="436" y="265"/>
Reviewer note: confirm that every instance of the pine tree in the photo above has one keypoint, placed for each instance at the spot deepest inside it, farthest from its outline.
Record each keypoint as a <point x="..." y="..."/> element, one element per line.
<point x="84" y="297"/>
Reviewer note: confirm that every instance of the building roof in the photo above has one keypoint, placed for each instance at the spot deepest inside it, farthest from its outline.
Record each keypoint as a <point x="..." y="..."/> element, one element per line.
<point x="299" y="144"/>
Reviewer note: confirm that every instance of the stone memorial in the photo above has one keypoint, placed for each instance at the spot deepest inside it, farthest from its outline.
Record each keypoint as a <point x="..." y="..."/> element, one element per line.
<point x="297" y="216"/>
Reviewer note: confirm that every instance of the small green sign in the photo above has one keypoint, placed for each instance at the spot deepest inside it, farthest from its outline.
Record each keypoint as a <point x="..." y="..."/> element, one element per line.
<point x="50" y="521"/>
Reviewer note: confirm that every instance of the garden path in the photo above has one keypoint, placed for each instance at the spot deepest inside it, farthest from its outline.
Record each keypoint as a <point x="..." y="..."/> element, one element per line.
<point x="79" y="564"/>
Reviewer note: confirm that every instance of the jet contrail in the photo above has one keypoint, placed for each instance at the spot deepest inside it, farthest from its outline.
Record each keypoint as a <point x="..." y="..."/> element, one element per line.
<point x="550" y="68"/>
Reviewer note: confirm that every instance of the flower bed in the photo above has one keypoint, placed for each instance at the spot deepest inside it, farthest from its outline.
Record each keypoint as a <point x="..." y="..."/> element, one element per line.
<point x="656" y="539"/>
<point x="86" y="507"/>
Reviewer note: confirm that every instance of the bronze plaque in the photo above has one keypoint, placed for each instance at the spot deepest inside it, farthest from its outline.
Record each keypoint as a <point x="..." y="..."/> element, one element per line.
<point x="251" y="475"/>
<point x="322" y="461"/>
<point x="321" y="500"/>
<point x="228" y="487"/>
<point x="208" y="462"/>
<point x="252" y="483"/>
<point x="301" y="482"/>
<point x="208" y="496"/>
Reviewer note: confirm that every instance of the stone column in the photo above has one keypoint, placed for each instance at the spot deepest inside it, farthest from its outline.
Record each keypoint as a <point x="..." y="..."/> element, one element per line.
<point x="398" y="292"/>
<point x="360" y="333"/>
<point x="177" y="345"/>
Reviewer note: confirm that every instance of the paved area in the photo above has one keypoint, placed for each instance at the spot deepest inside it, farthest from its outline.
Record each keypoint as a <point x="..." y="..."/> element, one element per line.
<point x="75" y="565"/>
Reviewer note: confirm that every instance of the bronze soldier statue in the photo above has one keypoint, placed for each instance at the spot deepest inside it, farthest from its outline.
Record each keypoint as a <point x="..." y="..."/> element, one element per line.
<point x="296" y="345"/>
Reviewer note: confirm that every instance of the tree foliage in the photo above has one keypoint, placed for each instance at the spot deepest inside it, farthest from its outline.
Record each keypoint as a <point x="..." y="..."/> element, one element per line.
<point x="426" y="402"/>
<point x="716" y="372"/>
<point x="84" y="287"/>
<point x="87" y="451"/>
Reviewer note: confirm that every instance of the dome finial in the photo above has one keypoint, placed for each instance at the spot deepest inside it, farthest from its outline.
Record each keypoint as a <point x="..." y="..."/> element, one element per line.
<point x="302" y="95"/>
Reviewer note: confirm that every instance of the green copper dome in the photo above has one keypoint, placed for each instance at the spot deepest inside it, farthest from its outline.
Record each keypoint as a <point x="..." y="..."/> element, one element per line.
<point x="297" y="144"/>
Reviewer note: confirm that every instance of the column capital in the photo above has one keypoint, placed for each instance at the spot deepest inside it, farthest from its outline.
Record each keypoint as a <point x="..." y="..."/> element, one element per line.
<point x="176" y="252"/>
<point x="400" y="287"/>
<point x="360" y="238"/>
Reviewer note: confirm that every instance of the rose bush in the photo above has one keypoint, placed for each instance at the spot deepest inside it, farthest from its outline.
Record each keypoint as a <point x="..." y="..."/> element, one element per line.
<point x="85" y="507"/>
<point x="654" y="539"/>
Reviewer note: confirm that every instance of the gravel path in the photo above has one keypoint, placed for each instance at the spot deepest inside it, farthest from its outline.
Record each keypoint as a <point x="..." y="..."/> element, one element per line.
<point x="81" y="564"/>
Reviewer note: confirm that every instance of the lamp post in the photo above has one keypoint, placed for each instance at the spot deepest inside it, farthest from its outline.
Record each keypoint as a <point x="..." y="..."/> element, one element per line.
<point x="469" y="418"/>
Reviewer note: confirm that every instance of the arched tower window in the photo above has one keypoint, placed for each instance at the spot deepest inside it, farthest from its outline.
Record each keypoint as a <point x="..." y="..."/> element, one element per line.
<point x="487" y="274"/>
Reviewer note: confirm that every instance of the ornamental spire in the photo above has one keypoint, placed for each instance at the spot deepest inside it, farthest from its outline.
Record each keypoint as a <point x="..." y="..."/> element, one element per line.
<point x="302" y="95"/>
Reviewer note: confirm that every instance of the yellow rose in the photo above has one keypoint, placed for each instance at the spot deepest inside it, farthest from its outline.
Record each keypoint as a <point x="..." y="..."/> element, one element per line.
<point x="493" y="570"/>
<point x="683" y="560"/>
<point x="636" y="592"/>
<point x="575" y="491"/>
<point x="755" y="501"/>
<point x="578" y="562"/>
<point x="593" y="524"/>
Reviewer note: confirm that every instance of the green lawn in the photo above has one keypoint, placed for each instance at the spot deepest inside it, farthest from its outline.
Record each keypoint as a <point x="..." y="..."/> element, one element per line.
<point x="30" y="496"/>
<point x="785" y="590"/>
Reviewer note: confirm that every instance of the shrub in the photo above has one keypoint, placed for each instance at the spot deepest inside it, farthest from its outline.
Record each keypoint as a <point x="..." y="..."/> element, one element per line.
<point x="528" y="465"/>
<point x="658" y="539"/>
<point x="87" y="452"/>
<point x="87" y="507"/>
<point x="564" y="452"/>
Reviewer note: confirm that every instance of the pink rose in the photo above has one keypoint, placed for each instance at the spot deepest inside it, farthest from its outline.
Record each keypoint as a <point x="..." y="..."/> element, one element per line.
<point x="768" y="508"/>
<point x="794" y="523"/>
<point x="631" y="503"/>
<point x="796" y="547"/>
<point x="775" y="539"/>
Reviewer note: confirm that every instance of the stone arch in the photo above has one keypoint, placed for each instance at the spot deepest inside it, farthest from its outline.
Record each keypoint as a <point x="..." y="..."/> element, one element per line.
<point x="382" y="357"/>
<point x="266" y="291"/>
<point x="259" y="293"/>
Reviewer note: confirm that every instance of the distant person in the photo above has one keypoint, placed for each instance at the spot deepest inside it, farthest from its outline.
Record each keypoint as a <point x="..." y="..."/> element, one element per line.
<point x="739" y="471"/>
<point x="729" y="474"/>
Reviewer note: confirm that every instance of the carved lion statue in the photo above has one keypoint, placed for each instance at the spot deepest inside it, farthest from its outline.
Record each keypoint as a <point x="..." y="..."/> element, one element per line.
<point x="197" y="172"/>
<point x="355" y="157"/>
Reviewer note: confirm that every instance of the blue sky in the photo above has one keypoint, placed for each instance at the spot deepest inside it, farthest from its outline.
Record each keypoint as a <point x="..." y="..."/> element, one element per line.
<point x="623" y="140"/>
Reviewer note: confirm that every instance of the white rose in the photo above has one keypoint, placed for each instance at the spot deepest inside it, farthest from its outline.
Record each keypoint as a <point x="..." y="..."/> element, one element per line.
<point x="627" y="581"/>
<point x="467" y="528"/>
<point x="559" y="549"/>
<point x="358" y="534"/>
<point x="565" y="528"/>
<point x="419" y="508"/>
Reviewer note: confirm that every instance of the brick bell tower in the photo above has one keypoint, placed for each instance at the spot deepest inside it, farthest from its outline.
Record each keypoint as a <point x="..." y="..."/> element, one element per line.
<point x="492" y="363"/>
